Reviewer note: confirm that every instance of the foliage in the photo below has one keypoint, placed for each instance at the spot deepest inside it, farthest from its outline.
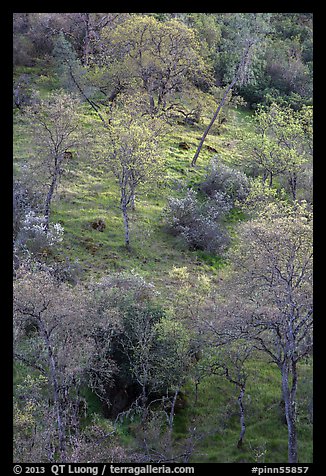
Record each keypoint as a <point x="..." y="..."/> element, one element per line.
<point x="34" y="237"/>
<point x="221" y="178"/>
<point x="282" y="145"/>
<point x="161" y="57"/>
<point x="129" y="148"/>
<point x="55" y="123"/>
<point x="24" y="200"/>
<point x="259" y="197"/>
<point x="283" y="72"/>
<point x="142" y="354"/>
<point x="47" y="336"/>
<point x="199" y="224"/>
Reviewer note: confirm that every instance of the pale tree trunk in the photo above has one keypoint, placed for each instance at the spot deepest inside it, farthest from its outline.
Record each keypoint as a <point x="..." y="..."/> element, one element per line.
<point x="289" y="394"/>
<point x="49" y="197"/>
<point x="124" y="208"/>
<point x="133" y="193"/>
<point x="55" y="392"/>
<point x="171" y="416"/>
<point x="126" y="225"/>
<point x="242" y="385"/>
<point x="208" y="128"/>
<point x="221" y="104"/>
<point x="242" y="416"/>
<point x="132" y="202"/>
<point x="86" y="39"/>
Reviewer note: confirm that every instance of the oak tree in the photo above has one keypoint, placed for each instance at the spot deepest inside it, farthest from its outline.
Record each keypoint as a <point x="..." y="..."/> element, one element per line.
<point x="272" y="295"/>
<point x="57" y="131"/>
<point x="131" y="154"/>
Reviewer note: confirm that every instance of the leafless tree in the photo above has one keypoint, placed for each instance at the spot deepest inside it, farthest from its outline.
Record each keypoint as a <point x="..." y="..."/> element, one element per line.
<point x="250" y="29"/>
<point x="57" y="130"/>
<point x="270" y="297"/>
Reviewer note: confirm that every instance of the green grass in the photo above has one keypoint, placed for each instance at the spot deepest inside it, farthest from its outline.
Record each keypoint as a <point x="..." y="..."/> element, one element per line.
<point x="216" y="415"/>
<point x="88" y="193"/>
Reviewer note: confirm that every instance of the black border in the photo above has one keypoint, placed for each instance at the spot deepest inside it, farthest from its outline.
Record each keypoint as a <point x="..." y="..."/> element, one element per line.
<point x="6" y="191"/>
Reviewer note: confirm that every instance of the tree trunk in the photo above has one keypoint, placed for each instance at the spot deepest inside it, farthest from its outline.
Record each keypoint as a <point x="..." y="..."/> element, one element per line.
<point x="55" y="392"/>
<point x="126" y="223"/>
<point x="171" y="416"/>
<point x="86" y="39"/>
<point x="48" y="201"/>
<point x="208" y="128"/>
<point x="151" y="105"/>
<point x="243" y="61"/>
<point x="264" y="178"/>
<point x="132" y="202"/>
<point x="293" y="185"/>
<point x="242" y="416"/>
<point x="90" y="102"/>
<point x="270" y="179"/>
<point x="290" y="411"/>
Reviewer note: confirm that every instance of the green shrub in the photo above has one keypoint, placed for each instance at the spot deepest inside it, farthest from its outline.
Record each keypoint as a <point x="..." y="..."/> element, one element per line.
<point x="221" y="178"/>
<point x="199" y="224"/>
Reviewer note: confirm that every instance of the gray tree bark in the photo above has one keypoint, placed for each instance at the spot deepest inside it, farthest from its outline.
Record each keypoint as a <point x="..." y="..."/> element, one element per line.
<point x="55" y="392"/>
<point x="289" y="394"/>
<point x="236" y="77"/>
<point x="242" y="416"/>
<point x="125" y="221"/>
<point x="49" y="197"/>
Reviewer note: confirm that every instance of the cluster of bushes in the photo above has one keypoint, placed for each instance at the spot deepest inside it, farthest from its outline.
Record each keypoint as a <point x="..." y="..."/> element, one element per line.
<point x="222" y="178"/>
<point x="198" y="219"/>
<point x="115" y="339"/>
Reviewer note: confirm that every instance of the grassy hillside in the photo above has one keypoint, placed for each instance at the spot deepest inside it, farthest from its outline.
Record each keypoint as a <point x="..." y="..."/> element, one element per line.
<point x="88" y="193"/>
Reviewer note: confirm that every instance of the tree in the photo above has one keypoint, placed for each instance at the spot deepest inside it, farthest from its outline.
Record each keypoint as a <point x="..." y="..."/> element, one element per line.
<point x="272" y="295"/>
<point x="248" y="30"/>
<point x="76" y="77"/>
<point x="282" y="144"/>
<point x="133" y="157"/>
<point x="173" y="361"/>
<point x="228" y="360"/>
<point x="45" y="317"/>
<point x="158" y="355"/>
<point x="93" y="25"/>
<point x="158" y="57"/>
<point x="283" y="70"/>
<point x="57" y="131"/>
<point x="61" y="335"/>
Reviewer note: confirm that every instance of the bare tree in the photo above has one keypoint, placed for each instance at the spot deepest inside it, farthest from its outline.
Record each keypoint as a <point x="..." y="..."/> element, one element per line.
<point x="229" y="361"/>
<point x="133" y="158"/>
<point x="270" y="296"/>
<point x="57" y="131"/>
<point x="249" y="30"/>
<point x="55" y="337"/>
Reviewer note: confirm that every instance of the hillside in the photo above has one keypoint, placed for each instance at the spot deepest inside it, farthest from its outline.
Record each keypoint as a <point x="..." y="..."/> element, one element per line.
<point x="152" y="340"/>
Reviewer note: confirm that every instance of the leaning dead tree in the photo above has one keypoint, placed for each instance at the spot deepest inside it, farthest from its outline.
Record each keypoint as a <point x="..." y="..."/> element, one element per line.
<point x="243" y="62"/>
<point x="251" y="29"/>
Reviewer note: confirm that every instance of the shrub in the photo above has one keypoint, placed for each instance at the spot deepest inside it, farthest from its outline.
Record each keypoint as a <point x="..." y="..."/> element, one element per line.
<point x="221" y="178"/>
<point x="25" y="199"/>
<point x="199" y="224"/>
<point x="33" y="236"/>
